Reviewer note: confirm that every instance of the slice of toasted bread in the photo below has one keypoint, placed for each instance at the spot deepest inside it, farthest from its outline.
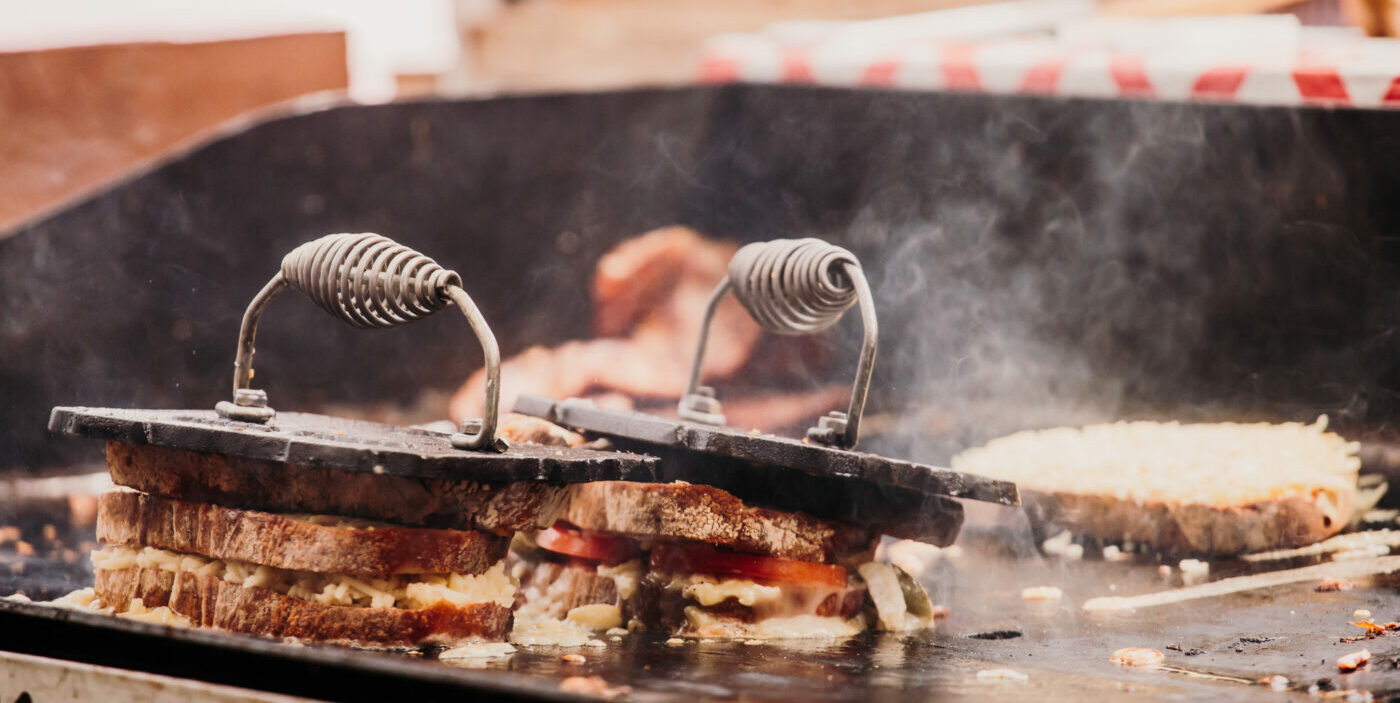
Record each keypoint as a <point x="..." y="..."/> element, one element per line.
<point x="1210" y="489"/>
<point x="287" y="542"/>
<point x="210" y="602"/>
<point x="283" y="488"/>
<point x="710" y="515"/>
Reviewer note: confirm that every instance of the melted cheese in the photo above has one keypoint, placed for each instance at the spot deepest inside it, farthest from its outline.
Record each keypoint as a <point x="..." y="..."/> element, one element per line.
<point x="545" y="631"/>
<point x="1222" y="464"/>
<point x="701" y="623"/>
<point x="405" y="591"/>
<point x="163" y="615"/>
<point x="596" y="617"/>
<point x="766" y="601"/>
<point x="550" y="601"/>
<point x="625" y="576"/>
<point x="81" y="599"/>
<point x="478" y="650"/>
<point x="708" y="590"/>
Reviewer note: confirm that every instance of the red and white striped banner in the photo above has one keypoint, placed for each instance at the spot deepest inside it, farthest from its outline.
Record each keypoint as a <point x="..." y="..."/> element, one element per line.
<point x="1326" y="67"/>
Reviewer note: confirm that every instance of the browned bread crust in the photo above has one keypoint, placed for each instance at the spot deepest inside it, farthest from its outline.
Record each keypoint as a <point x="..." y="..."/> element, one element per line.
<point x="710" y="515"/>
<point x="1194" y="529"/>
<point x="1183" y="489"/>
<point x="284" y="488"/>
<point x="211" y="602"/>
<point x="128" y="517"/>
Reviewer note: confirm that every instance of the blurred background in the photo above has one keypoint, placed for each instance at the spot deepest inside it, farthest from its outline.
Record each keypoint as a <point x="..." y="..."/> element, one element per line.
<point x="90" y="90"/>
<point x="1069" y="210"/>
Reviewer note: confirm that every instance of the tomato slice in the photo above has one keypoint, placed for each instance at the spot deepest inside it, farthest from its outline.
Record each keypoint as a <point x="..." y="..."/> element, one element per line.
<point x="571" y="541"/>
<point x="705" y="560"/>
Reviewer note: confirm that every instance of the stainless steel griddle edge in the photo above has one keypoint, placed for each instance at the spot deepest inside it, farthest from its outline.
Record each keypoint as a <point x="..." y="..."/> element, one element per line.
<point x="315" y="671"/>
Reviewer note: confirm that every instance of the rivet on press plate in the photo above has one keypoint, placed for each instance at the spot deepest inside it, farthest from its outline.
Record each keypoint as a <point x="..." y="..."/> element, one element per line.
<point x="250" y="398"/>
<point x="702" y="406"/>
<point x="249" y="405"/>
<point x="830" y="429"/>
<point x="463" y="438"/>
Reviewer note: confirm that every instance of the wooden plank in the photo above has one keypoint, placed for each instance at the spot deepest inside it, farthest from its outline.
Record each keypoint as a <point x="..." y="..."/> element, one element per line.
<point x="77" y="118"/>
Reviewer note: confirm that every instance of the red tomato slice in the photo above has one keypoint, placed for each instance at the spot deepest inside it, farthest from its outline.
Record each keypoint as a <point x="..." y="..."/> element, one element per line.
<point x="697" y="559"/>
<point x="573" y="542"/>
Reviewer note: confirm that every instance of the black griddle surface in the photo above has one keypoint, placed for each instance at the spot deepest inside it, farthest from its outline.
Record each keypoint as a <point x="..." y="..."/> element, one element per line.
<point x="1290" y="631"/>
<point x="769" y="450"/>
<point x="321" y="441"/>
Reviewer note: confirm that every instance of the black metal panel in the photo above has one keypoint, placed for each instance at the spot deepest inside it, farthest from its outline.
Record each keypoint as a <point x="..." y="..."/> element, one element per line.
<point x="1032" y="258"/>
<point x="776" y="454"/>
<point x="318" y="441"/>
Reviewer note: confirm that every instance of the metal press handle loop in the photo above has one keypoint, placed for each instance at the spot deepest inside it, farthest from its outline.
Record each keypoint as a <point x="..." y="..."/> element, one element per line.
<point x="369" y="281"/>
<point x="793" y="286"/>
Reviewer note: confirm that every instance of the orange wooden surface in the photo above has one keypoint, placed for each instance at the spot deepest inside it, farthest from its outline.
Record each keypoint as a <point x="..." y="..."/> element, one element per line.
<point x="74" y="119"/>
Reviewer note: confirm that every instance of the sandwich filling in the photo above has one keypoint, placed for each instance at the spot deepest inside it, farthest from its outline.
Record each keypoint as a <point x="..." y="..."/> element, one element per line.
<point x="700" y="591"/>
<point x="574" y="590"/>
<point x="693" y="589"/>
<point x="403" y="591"/>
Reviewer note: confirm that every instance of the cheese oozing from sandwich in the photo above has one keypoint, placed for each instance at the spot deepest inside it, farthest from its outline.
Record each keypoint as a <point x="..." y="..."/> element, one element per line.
<point x="406" y="591"/>
<point x="765" y="600"/>
<point x="702" y="623"/>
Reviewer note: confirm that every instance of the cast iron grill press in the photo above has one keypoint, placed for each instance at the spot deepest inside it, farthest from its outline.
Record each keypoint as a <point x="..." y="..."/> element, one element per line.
<point x="369" y="281"/>
<point x="791" y="287"/>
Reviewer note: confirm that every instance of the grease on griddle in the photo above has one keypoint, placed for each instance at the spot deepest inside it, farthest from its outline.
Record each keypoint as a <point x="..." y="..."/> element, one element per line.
<point x="1258" y="639"/>
<point x="1194" y="651"/>
<point x="995" y="635"/>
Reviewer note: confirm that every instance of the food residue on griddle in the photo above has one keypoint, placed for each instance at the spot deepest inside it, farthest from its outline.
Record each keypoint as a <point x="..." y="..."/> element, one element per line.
<point x="592" y="686"/>
<point x="1354" y="661"/>
<point x="1372" y="630"/>
<point x="1041" y="593"/>
<point x="1137" y="657"/>
<point x="995" y="635"/>
<point x="1334" y="585"/>
<point x="1257" y="639"/>
<point x="1002" y="676"/>
<point x="1194" y="651"/>
<point x="1114" y="553"/>
<point x="1193" y="570"/>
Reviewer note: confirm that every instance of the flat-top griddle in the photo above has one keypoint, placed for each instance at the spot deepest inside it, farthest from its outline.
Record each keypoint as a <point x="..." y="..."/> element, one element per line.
<point x="1224" y="647"/>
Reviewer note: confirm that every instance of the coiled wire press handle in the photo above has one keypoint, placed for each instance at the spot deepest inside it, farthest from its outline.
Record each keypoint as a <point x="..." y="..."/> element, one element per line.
<point x="793" y="286"/>
<point x="369" y="281"/>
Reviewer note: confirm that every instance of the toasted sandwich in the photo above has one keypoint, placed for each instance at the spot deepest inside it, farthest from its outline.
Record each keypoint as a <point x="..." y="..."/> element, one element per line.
<point x="693" y="560"/>
<point x="295" y="552"/>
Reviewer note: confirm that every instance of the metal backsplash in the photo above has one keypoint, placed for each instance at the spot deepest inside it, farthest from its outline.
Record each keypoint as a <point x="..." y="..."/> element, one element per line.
<point x="1034" y="260"/>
